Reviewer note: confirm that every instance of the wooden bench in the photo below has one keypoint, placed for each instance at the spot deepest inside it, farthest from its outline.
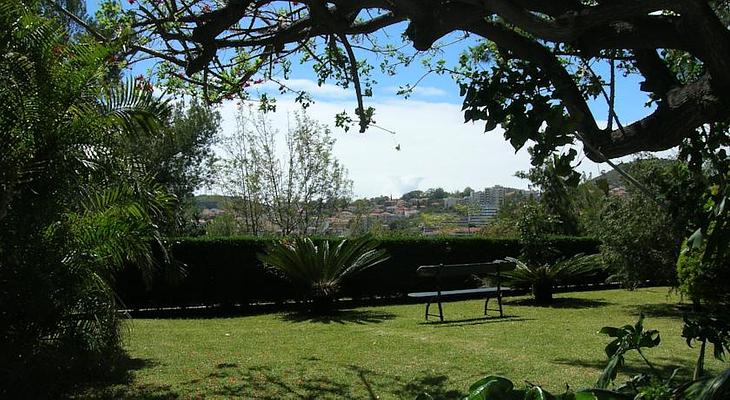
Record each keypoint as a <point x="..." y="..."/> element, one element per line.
<point x="437" y="272"/>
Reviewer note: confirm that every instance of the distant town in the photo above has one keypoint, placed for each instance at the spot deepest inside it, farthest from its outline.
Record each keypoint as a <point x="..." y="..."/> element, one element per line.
<point x="429" y="212"/>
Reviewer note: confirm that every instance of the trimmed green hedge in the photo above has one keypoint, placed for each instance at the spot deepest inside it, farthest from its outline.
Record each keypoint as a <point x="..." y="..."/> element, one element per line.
<point x="226" y="270"/>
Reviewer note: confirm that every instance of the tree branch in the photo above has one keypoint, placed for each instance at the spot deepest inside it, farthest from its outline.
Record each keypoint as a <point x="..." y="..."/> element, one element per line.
<point x="529" y="50"/>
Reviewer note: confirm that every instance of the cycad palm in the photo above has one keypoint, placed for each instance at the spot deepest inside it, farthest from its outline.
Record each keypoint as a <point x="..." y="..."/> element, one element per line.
<point x="542" y="278"/>
<point x="320" y="269"/>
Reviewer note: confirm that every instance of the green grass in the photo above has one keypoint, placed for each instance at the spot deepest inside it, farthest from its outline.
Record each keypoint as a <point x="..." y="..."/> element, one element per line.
<point x="390" y="353"/>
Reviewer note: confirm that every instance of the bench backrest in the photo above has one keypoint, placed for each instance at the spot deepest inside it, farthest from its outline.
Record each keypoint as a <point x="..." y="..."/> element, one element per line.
<point x="446" y="270"/>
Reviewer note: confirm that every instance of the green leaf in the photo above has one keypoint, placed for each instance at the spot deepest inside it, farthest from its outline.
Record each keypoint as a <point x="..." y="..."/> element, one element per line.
<point x="491" y="387"/>
<point x="609" y="373"/>
<point x="613" y="348"/>
<point x="694" y="242"/>
<point x="538" y="393"/>
<point x="717" y="388"/>
<point x="649" y="339"/>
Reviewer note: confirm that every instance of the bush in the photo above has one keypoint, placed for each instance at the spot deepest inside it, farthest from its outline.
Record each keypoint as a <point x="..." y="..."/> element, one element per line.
<point x="541" y="278"/>
<point x="703" y="281"/>
<point x="226" y="271"/>
<point x="74" y="205"/>
<point x="639" y="241"/>
<point x="319" y="270"/>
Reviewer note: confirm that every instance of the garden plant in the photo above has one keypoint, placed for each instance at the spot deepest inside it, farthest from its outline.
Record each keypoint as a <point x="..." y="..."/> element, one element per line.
<point x="541" y="279"/>
<point x="74" y="207"/>
<point x="319" y="269"/>
<point x="652" y="386"/>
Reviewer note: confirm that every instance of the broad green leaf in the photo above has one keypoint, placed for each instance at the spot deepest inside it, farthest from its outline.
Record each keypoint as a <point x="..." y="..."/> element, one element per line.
<point x="609" y="373"/>
<point x="581" y="395"/>
<point x="538" y="393"/>
<point x="491" y="387"/>
<point x="695" y="240"/>
<point x="650" y="339"/>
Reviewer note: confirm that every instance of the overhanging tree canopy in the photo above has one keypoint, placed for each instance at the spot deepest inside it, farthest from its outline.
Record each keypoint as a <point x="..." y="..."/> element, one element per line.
<point x="539" y="52"/>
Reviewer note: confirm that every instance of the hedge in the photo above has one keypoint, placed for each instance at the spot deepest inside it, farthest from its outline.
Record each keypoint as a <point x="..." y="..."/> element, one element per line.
<point x="225" y="271"/>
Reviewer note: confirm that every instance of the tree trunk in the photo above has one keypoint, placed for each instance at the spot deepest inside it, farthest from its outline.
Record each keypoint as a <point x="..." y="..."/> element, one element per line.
<point x="543" y="292"/>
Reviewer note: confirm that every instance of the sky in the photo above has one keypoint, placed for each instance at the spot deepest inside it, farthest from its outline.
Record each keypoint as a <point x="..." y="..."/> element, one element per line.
<point x="437" y="149"/>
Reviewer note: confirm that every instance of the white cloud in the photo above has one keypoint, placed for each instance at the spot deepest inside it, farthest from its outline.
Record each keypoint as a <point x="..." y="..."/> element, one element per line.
<point x="437" y="149"/>
<point x="328" y="91"/>
<point x="420" y="91"/>
<point x="403" y="184"/>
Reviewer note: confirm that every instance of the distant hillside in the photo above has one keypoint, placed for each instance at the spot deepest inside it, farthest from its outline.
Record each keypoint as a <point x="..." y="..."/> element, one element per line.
<point x="616" y="180"/>
<point x="210" y="201"/>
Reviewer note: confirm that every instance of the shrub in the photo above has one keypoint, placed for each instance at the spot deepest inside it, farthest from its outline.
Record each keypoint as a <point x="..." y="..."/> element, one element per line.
<point x="639" y="241"/>
<point x="542" y="278"/>
<point x="319" y="269"/>
<point x="74" y="205"/>
<point x="703" y="280"/>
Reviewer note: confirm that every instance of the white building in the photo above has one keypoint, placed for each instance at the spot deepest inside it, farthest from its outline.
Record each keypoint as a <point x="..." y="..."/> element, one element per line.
<point x="480" y="218"/>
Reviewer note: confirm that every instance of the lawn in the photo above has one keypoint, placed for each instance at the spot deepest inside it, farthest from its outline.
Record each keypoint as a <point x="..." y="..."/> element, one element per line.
<point x="389" y="352"/>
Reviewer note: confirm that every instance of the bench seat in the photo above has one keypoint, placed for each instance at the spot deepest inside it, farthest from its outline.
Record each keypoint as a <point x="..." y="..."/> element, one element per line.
<point x="457" y="292"/>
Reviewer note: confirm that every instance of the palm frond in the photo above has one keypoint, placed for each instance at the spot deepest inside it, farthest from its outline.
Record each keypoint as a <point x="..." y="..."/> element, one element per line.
<point x="28" y="29"/>
<point x="134" y="107"/>
<point x="115" y="226"/>
<point x="325" y="265"/>
<point x="569" y="270"/>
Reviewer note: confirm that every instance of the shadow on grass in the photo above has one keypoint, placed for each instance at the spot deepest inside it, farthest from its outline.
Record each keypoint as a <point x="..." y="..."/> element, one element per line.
<point x="308" y="379"/>
<point x="119" y="384"/>
<point x="340" y="317"/>
<point x="664" y="365"/>
<point x="266" y="383"/>
<point x="561" y="302"/>
<point x="660" y="310"/>
<point x="137" y="392"/>
<point x="434" y="385"/>
<point x="473" y="321"/>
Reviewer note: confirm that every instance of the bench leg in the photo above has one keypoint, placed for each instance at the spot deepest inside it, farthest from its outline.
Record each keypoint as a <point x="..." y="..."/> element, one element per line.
<point x="486" y="303"/>
<point x="499" y="301"/>
<point x="441" y="310"/>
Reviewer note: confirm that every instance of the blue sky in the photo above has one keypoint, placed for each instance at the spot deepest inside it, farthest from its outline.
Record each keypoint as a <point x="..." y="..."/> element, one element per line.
<point x="436" y="148"/>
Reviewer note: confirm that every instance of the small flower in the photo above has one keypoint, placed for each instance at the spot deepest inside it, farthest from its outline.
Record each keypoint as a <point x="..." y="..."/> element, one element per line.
<point x="258" y="81"/>
<point x="131" y="1"/>
<point x="206" y="8"/>
<point x="139" y="78"/>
